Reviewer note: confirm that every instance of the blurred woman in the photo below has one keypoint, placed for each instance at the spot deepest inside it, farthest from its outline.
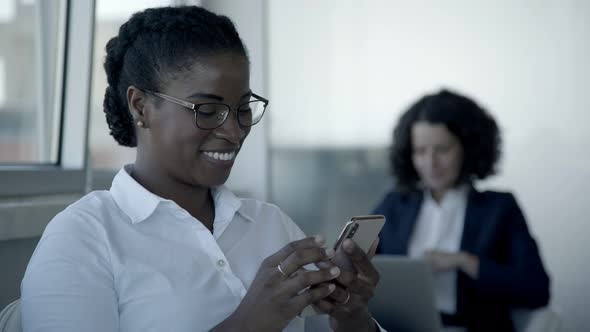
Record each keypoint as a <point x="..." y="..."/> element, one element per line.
<point x="484" y="259"/>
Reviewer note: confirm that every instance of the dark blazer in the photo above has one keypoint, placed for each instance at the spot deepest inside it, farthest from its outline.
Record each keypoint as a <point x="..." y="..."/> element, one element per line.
<point x="511" y="273"/>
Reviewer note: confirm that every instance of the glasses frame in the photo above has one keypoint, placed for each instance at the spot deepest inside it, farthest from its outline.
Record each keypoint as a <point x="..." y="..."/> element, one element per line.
<point x="195" y="107"/>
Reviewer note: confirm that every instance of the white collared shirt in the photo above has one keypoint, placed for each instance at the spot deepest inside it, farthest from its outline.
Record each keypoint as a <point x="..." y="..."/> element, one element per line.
<point x="440" y="227"/>
<point x="128" y="260"/>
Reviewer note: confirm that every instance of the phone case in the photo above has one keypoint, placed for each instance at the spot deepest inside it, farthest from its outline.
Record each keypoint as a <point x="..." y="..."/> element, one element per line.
<point x="363" y="230"/>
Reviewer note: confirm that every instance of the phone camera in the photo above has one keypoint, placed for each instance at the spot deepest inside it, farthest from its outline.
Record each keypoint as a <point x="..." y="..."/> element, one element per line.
<point x="353" y="230"/>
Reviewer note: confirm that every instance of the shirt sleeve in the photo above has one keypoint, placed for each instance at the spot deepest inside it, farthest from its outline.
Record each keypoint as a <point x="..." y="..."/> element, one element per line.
<point x="68" y="285"/>
<point x="294" y="232"/>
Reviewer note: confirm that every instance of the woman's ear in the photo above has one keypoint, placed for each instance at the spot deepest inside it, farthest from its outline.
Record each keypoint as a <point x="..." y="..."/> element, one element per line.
<point x="136" y="100"/>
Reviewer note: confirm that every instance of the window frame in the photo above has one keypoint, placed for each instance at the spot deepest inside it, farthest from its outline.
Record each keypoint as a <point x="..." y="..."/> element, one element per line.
<point x="69" y="174"/>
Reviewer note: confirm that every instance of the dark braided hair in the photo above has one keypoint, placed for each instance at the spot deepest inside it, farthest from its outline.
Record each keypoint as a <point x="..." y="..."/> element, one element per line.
<point x="475" y="129"/>
<point x="154" y="43"/>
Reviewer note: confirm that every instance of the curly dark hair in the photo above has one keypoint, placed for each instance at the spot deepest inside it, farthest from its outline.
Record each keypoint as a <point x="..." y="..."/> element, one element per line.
<point x="475" y="128"/>
<point x="155" y="43"/>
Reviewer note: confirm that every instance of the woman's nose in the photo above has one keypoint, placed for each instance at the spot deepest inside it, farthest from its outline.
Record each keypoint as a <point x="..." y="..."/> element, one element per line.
<point x="231" y="128"/>
<point x="431" y="159"/>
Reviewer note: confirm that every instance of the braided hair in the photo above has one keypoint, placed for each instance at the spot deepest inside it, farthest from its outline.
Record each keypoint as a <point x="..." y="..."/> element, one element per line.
<point x="473" y="126"/>
<point x="154" y="43"/>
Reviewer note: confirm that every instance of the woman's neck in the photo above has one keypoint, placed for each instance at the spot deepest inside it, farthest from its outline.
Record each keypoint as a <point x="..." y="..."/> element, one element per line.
<point x="195" y="200"/>
<point x="438" y="195"/>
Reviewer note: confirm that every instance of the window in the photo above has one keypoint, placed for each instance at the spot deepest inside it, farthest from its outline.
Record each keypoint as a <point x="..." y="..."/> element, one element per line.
<point x="45" y="77"/>
<point x="31" y="70"/>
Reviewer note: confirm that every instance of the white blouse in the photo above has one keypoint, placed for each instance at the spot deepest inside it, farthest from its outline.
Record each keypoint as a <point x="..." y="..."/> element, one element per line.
<point x="128" y="260"/>
<point x="440" y="227"/>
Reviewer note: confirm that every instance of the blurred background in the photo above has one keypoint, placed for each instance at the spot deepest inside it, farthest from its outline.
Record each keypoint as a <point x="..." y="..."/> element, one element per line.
<point x="338" y="74"/>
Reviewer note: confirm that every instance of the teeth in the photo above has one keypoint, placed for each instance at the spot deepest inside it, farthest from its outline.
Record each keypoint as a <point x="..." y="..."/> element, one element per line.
<point x="220" y="155"/>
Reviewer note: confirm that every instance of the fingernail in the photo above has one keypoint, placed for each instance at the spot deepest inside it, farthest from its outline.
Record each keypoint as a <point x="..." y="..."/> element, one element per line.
<point x="330" y="252"/>
<point x="331" y="287"/>
<point x="319" y="239"/>
<point x="334" y="271"/>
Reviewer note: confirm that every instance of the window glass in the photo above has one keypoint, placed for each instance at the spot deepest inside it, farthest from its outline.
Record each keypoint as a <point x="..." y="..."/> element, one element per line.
<point x="31" y="69"/>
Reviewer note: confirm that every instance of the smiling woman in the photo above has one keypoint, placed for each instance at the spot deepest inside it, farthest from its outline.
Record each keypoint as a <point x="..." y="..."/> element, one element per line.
<point x="169" y="247"/>
<point x="177" y="146"/>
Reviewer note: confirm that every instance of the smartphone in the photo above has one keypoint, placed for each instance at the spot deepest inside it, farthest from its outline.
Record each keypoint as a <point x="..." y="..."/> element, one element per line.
<point x="363" y="230"/>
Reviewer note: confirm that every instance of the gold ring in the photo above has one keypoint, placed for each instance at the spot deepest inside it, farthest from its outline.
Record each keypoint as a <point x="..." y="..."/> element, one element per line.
<point x="281" y="270"/>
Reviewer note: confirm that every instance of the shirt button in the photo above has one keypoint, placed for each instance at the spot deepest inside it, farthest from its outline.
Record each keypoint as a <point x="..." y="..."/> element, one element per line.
<point x="221" y="263"/>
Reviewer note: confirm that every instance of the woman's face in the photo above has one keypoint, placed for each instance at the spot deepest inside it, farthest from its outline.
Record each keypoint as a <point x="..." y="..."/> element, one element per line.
<point x="437" y="155"/>
<point x="175" y="145"/>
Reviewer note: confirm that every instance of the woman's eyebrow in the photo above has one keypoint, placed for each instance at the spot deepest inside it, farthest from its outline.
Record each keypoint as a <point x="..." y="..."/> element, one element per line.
<point x="205" y="95"/>
<point x="216" y="97"/>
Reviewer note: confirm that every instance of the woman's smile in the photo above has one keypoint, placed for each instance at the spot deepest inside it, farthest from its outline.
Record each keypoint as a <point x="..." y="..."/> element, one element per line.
<point x="225" y="158"/>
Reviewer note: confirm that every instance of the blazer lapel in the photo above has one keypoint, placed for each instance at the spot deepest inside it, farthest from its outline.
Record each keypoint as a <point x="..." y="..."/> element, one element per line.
<point x="474" y="214"/>
<point x="412" y="203"/>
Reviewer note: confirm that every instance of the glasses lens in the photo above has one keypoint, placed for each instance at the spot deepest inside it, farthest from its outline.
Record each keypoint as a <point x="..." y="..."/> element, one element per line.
<point x="250" y="114"/>
<point x="211" y="115"/>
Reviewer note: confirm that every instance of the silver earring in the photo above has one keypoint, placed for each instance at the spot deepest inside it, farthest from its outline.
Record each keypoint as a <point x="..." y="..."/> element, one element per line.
<point x="140" y="124"/>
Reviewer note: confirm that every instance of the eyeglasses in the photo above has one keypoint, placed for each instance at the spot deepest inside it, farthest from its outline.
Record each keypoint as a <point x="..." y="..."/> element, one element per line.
<point x="213" y="115"/>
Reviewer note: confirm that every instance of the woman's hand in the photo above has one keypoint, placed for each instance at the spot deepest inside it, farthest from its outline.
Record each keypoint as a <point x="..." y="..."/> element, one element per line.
<point x="348" y="304"/>
<point x="276" y="295"/>
<point x="441" y="261"/>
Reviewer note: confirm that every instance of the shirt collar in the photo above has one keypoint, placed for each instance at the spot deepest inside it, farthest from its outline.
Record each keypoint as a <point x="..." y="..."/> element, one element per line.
<point x="452" y="197"/>
<point x="127" y="193"/>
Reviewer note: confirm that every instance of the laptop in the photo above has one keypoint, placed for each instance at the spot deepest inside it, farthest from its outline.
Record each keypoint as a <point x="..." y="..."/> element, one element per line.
<point x="404" y="299"/>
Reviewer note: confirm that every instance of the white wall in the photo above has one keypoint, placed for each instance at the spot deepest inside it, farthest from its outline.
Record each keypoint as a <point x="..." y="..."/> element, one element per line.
<point x="340" y="72"/>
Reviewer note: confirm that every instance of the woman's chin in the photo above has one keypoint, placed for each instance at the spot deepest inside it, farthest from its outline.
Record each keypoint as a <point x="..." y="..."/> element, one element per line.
<point x="213" y="179"/>
<point x="438" y="186"/>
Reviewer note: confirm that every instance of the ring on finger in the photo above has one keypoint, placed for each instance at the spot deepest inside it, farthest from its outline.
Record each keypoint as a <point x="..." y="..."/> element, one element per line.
<point x="281" y="271"/>
<point x="345" y="301"/>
